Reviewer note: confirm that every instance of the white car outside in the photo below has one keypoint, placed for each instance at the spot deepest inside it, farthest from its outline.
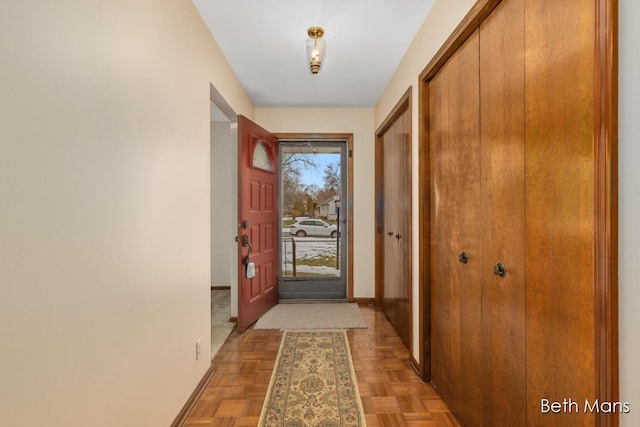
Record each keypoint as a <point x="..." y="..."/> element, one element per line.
<point x="312" y="227"/>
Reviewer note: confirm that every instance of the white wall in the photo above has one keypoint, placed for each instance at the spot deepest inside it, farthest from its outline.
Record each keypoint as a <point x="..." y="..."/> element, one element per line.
<point x="629" y="199"/>
<point x="436" y="28"/>
<point x="104" y="209"/>
<point x="358" y="121"/>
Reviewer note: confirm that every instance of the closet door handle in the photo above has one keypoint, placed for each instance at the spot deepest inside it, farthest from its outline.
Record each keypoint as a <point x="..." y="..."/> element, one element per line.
<point x="500" y="270"/>
<point x="463" y="258"/>
<point x="390" y="233"/>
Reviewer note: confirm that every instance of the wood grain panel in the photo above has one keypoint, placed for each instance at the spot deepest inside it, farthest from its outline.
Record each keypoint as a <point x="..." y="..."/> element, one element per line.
<point x="560" y="207"/>
<point x="268" y="198"/>
<point x="393" y="216"/>
<point x="254" y="196"/>
<point x="255" y="238"/>
<point x="503" y="211"/>
<point x="389" y="222"/>
<point x="381" y="233"/>
<point x="403" y="297"/>
<point x="270" y="278"/>
<point x="270" y="236"/>
<point x="465" y="131"/>
<point x="256" y="284"/>
<point x="456" y="287"/>
<point x="606" y="220"/>
<point x="444" y="327"/>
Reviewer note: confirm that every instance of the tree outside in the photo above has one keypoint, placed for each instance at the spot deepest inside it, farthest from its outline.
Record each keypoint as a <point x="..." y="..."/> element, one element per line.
<point x="299" y="196"/>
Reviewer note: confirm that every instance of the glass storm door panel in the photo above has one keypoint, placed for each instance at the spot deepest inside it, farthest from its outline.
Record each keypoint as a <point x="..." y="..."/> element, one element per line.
<point x="314" y="218"/>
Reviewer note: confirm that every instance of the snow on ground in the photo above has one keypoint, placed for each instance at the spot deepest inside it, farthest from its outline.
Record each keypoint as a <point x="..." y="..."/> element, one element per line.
<point x="308" y="248"/>
<point x="313" y="269"/>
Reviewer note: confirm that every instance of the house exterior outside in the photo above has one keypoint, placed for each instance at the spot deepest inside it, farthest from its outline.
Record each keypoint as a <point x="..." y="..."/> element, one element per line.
<point x="327" y="209"/>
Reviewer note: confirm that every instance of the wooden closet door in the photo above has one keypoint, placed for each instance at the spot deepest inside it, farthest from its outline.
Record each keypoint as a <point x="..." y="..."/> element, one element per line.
<point x="403" y="235"/>
<point x="548" y="147"/>
<point x="390" y="212"/>
<point x="397" y="226"/>
<point x="456" y="364"/>
<point x="503" y="211"/>
<point x="560" y="208"/>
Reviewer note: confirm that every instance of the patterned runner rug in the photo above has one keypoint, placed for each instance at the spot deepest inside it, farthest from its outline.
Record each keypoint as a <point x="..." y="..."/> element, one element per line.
<point x="313" y="383"/>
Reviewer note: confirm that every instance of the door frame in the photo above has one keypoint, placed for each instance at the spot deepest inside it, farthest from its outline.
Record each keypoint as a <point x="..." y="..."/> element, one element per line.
<point x="231" y="141"/>
<point x="605" y="124"/>
<point x="348" y="137"/>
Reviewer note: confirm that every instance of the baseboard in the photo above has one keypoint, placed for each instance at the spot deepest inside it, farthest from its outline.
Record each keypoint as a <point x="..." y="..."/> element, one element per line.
<point x="417" y="368"/>
<point x="220" y="288"/>
<point x="191" y="402"/>
<point x="364" y="301"/>
<point x="233" y="319"/>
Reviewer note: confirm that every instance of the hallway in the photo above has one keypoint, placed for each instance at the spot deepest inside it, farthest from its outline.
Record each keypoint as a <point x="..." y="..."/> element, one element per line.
<point x="391" y="393"/>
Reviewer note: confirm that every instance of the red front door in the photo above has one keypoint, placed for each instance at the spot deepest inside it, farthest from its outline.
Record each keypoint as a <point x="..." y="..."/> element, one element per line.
<point x="258" y="222"/>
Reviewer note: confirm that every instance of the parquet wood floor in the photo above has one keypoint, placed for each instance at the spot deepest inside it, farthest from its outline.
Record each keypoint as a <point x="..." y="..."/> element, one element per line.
<point x="392" y="395"/>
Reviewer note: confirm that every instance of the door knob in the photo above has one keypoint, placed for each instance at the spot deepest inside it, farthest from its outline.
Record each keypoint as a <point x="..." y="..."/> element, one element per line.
<point x="398" y="236"/>
<point x="463" y="258"/>
<point x="390" y="233"/>
<point x="499" y="269"/>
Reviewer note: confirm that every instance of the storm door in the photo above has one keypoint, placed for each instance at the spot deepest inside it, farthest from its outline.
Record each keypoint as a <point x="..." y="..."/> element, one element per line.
<point x="313" y="204"/>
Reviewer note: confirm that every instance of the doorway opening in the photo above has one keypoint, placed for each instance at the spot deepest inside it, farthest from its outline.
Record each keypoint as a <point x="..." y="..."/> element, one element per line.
<point x="314" y="202"/>
<point x="223" y="168"/>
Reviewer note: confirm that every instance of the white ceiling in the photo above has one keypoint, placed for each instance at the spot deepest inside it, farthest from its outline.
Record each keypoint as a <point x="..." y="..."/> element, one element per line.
<point x="264" y="41"/>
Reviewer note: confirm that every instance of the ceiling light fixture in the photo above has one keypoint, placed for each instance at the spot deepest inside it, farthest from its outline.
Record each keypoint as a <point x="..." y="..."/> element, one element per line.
<point x="316" y="48"/>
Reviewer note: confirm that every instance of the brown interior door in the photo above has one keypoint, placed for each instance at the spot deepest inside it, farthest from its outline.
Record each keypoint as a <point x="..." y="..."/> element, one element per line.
<point x="562" y="308"/>
<point x="390" y="227"/>
<point x="396" y="193"/>
<point x="258" y="222"/>
<point x="546" y="322"/>
<point x="503" y="213"/>
<point x="456" y="234"/>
